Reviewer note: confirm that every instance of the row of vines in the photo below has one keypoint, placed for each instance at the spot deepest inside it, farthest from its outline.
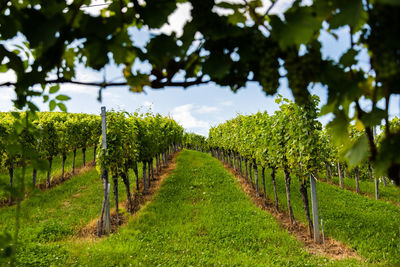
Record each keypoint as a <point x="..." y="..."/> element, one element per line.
<point x="288" y="140"/>
<point x="49" y="135"/>
<point x="130" y="139"/>
<point x="291" y="140"/>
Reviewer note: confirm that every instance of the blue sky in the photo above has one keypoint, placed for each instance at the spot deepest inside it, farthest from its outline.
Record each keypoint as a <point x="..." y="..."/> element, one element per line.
<point x="196" y="108"/>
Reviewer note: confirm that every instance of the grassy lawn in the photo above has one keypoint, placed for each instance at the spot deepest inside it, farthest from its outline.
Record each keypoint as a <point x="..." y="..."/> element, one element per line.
<point x="42" y="175"/>
<point x="200" y="217"/>
<point x="389" y="192"/>
<point x="370" y="227"/>
<point x="50" y="218"/>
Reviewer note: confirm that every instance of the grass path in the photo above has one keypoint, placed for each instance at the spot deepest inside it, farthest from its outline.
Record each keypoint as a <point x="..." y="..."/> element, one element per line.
<point x="200" y="217"/>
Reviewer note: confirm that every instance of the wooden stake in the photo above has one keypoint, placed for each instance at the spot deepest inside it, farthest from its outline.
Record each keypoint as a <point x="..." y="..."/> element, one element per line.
<point x="314" y="204"/>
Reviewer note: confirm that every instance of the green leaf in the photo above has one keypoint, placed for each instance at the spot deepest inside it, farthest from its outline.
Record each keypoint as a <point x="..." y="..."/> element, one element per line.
<point x="389" y="2"/>
<point x="299" y="27"/>
<point x="3" y="68"/>
<point x="62" y="107"/>
<point x="54" y="89"/>
<point x="156" y="13"/>
<point x="349" y="58"/>
<point x="52" y="104"/>
<point x="374" y="117"/>
<point x="161" y="49"/>
<point x="338" y="127"/>
<point x="351" y="13"/>
<point x="45" y="98"/>
<point x="358" y="151"/>
<point x="217" y="65"/>
<point x="137" y="82"/>
<point x="63" y="97"/>
<point x="237" y="17"/>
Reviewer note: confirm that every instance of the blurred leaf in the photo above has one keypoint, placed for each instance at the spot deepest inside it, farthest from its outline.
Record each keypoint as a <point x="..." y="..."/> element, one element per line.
<point x="358" y="151"/>
<point x="374" y="117"/>
<point x="389" y="2"/>
<point x="217" y="65"/>
<point x="338" y="127"/>
<point x="63" y="97"/>
<point x="237" y="17"/>
<point x="359" y="125"/>
<point x="298" y="28"/>
<point x="54" y="89"/>
<point x="3" y="68"/>
<point x="62" y="107"/>
<point x="52" y="104"/>
<point x="350" y="13"/>
<point x="349" y="58"/>
<point x="156" y="13"/>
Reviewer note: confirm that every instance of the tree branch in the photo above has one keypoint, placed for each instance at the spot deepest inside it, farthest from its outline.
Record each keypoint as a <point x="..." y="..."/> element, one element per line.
<point x="270" y="7"/>
<point x="154" y="84"/>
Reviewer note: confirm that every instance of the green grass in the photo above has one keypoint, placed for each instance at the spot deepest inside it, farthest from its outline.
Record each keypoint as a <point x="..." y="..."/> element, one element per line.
<point x="42" y="175"/>
<point x="370" y="227"/>
<point x="200" y="217"/>
<point x="50" y="218"/>
<point x="389" y="192"/>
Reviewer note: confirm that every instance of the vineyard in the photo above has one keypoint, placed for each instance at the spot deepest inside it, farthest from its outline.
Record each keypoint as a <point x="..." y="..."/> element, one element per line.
<point x="207" y="179"/>
<point x="275" y="158"/>
<point x="268" y="151"/>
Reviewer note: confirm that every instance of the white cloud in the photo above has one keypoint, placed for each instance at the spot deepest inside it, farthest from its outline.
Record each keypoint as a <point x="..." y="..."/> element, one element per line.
<point x="183" y="115"/>
<point x="207" y="109"/>
<point x="111" y="95"/>
<point x="85" y="75"/>
<point x="79" y="89"/>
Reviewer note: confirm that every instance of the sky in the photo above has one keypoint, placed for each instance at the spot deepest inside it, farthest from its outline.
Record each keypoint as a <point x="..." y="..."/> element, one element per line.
<point x="196" y="108"/>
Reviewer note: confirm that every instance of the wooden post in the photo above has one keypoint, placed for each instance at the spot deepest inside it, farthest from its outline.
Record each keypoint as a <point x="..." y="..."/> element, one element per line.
<point x="105" y="211"/>
<point x="376" y="188"/>
<point x="357" y="177"/>
<point x="341" y="182"/>
<point x="314" y="206"/>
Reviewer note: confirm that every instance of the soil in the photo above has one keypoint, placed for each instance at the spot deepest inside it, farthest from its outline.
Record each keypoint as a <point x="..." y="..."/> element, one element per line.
<point x="331" y="248"/>
<point x="139" y="201"/>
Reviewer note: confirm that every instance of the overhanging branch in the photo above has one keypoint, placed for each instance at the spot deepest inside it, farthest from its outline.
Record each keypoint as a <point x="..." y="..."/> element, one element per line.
<point x="153" y="84"/>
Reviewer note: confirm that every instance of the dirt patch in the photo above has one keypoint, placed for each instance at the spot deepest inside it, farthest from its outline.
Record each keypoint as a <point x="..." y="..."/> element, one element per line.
<point x="332" y="249"/>
<point x="140" y="200"/>
<point x="66" y="204"/>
